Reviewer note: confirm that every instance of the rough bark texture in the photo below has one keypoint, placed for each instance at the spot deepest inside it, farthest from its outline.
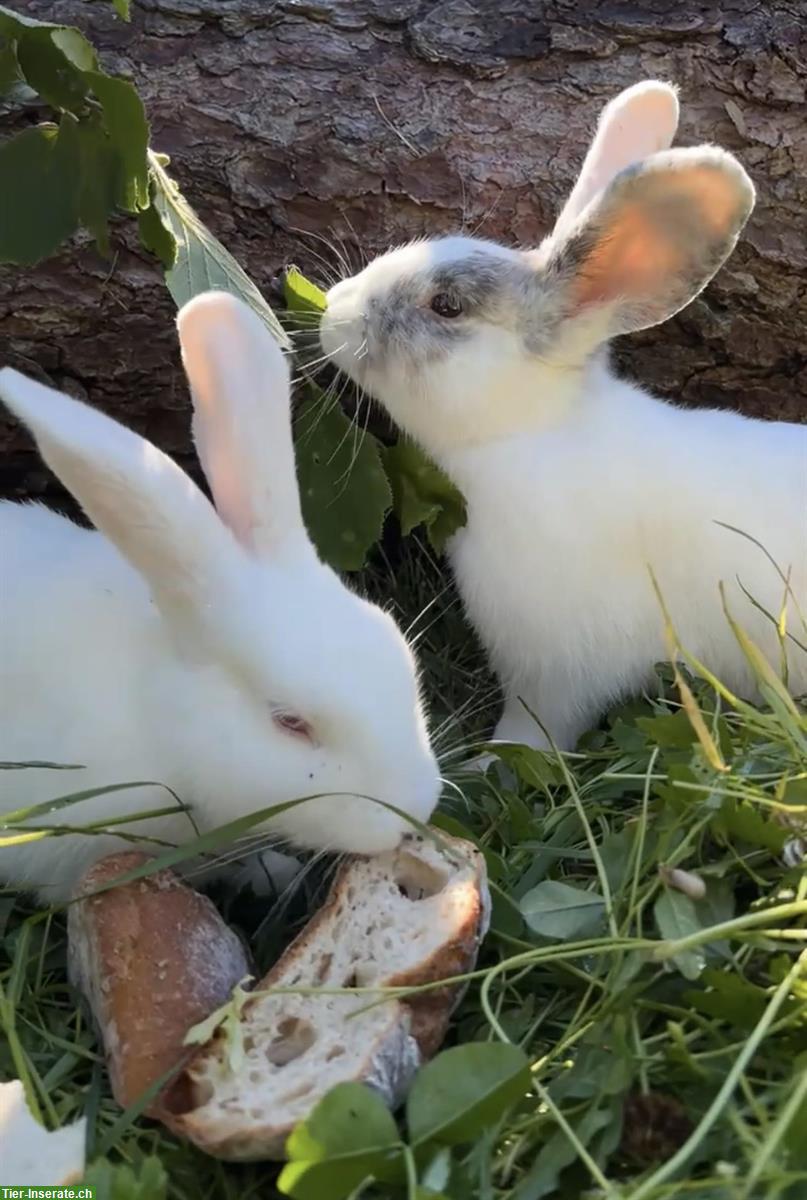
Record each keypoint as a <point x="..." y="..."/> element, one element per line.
<point x="380" y="120"/>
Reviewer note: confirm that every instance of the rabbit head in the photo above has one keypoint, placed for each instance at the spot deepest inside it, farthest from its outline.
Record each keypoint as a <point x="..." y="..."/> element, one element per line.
<point x="273" y="680"/>
<point x="464" y="341"/>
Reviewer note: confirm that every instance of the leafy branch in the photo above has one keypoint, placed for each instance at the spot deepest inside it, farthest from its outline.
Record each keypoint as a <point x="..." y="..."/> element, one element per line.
<point x="81" y="170"/>
<point x="93" y="162"/>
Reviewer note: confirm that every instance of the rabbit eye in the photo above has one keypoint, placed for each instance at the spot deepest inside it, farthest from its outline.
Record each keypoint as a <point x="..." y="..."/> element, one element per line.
<point x="446" y="304"/>
<point x="292" y="724"/>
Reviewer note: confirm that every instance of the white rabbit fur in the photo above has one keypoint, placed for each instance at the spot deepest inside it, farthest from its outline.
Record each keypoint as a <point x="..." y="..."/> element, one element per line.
<point x="176" y="643"/>
<point x="576" y="481"/>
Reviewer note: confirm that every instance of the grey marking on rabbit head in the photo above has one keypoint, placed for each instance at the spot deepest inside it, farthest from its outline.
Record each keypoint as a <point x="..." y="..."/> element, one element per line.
<point x="503" y="291"/>
<point x="402" y="324"/>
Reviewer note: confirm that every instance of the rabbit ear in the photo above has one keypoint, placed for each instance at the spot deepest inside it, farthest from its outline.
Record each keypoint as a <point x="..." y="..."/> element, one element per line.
<point x="242" y="420"/>
<point x="651" y="241"/>
<point x="137" y="496"/>
<point x="637" y="123"/>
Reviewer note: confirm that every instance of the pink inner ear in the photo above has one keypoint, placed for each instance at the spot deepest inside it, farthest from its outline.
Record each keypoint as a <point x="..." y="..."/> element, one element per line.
<point x="638" y="123"/>
<point x="631" y="260"/>
<point x="717" y="198"/>
<point x="643" y="125"/>
<point x="654" y="244"/>
<point x="216" y="445"/>
<point x="230" y="502"/>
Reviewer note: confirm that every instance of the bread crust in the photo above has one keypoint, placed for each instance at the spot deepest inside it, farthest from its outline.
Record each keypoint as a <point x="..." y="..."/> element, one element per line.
<point x="153" y="958"/>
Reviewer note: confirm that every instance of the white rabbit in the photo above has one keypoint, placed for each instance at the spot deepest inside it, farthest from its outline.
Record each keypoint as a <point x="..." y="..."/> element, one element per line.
<point x="206" y="649"/>
<point x="577" y="481"/>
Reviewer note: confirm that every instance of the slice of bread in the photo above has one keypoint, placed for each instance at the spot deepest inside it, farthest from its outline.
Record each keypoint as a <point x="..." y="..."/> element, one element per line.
<point x="153" y="958"/>
<point x="415" y="915"/>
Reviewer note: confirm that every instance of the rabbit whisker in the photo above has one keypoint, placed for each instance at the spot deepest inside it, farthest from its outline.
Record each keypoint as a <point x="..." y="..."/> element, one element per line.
<point x="310" y="233"/>
<point x="488" y="214"/>
<point x="357" y="241"/>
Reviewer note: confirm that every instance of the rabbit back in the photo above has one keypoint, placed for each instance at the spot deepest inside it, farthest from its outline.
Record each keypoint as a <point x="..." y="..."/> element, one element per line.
<point x="565" y="527"/>
<point x="77" y="635"/>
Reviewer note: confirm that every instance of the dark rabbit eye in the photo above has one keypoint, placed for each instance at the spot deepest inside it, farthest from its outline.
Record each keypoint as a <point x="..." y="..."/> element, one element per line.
<point x="446" y="304"/>
<point x="292" y="724"/>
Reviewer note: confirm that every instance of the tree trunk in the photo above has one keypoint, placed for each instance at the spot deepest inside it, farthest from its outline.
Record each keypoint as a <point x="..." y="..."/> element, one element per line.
<point x="374" y="121"/>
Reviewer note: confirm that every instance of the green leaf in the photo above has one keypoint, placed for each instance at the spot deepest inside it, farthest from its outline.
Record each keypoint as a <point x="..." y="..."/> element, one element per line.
<point x="38" y="198"/>
<point x="52" y="57"/>
<point x="464" y="1091"/>
<point x="728" y="997"/>
<point x="794" y="791"/>
<point x="741" y="821"/>
<point x="537" y="768"/>
<point x="49" y="71"/>
<point x="123" y="8"/>
<point x="604" y="1067"/>
<point x="156" y="236"/>
<point x="13" y="23"/>
<point x="560" y="911"/>
<point x="120" y="1182"/>
<point x="343" y="489"/>
<point x="672" y="730"/>
<point x="677" y="917"/>
<point x="349" y="1136"/>
<point x="98" y="186"/>
<point x="717" y="906"/>
<point x="302" y="296"/>
<point x="202" y="263"/>
<point x="543" y="1177"/>
<point x="9" y="68"/>
<point x="615" y="853"/>
<point x="422" y="494"/>
<point x="59" y="63"/>
<point x="125" y="120"/>
<point x="75" y="47"/>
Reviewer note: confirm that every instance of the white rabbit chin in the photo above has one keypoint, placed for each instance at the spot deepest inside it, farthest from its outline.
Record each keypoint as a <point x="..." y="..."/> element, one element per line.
<point x="204" y="650"/>
<point x="578" y="483"/>
<point x="350" y="824"/>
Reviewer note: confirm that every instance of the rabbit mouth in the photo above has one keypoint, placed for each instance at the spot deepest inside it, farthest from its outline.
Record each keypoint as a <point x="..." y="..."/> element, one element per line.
<point x="359" y="362"/>
<point x="345" y="346"/>
<point x="343" y="330"/>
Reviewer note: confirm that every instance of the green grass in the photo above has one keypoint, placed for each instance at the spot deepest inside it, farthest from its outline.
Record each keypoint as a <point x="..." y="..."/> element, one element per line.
<point x="667" y="1036"/>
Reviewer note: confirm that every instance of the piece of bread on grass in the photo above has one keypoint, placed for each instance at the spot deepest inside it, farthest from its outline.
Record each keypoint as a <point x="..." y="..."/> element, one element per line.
<point x="415" y="915"/>
<point x="153" y="957"/>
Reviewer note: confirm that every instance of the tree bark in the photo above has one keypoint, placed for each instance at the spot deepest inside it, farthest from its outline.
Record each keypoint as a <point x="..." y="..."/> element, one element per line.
<point x="374" y="121"/>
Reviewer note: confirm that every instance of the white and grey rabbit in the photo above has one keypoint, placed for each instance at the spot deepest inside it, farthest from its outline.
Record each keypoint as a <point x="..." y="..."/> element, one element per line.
<point x="577" y="481"/>
<point x="206" y="649"/>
